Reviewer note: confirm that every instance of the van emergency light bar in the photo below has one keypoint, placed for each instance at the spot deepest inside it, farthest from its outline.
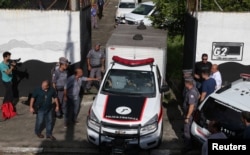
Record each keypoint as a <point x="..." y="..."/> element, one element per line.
<point x="129" y="62"/>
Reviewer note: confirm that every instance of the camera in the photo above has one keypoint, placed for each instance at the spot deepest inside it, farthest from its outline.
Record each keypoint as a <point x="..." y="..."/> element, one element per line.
<point x="11" y="61"/>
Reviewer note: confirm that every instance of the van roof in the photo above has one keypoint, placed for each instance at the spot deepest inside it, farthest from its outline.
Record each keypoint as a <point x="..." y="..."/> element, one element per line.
<point x="237" y="94"/>
<point x="152" y="37"/>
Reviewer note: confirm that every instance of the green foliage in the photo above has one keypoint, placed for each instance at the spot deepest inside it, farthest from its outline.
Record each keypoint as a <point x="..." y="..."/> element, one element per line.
<point x="226" y="5"/>
<point x="175" y="47"/>
<point x="171" y="15"/>
<point x="5" y="3"/>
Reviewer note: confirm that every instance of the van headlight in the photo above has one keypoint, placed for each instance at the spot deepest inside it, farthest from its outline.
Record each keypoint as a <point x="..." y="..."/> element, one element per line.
<point x="150" y="127"/>
<point x="93" y="122"/>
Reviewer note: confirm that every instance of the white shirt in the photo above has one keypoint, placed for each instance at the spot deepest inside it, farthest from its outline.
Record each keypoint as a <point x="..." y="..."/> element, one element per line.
<point x="217" y="77"/>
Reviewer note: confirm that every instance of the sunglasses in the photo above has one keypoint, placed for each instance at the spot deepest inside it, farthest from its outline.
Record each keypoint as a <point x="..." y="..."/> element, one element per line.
<point x="204" y="59"/>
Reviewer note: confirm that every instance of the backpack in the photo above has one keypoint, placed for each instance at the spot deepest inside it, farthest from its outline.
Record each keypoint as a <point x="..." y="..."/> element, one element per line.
<point x="8" y="110"/>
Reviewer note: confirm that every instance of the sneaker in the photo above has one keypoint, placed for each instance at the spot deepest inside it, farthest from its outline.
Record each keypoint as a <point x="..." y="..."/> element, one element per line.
<point x="51" y="137"/>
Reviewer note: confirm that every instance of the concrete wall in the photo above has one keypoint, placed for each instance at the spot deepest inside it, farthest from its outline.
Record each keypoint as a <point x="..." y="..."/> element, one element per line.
<point x="225" y="38"/>
<point x="39" y="38"/>
<point x="217" y="30"/>
<point x="40" y="35"/>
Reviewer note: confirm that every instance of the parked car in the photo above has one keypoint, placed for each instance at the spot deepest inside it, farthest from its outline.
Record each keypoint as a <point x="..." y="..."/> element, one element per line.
<point x="141" y="13"/>
<point x="225" y="105"/>
<point x="124" y="7"/>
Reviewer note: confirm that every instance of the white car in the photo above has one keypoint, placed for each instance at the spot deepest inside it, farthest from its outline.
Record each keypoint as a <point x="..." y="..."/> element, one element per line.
<point x="225" y="105"/>
<point x="128" y="107"/>
<point x="124" y="7"/>
<point x="141" y="13"/>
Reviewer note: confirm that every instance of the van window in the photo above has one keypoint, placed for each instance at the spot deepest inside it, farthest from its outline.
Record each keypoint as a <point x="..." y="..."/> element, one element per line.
<point x="229" y="117"/>
<point x="129" y="82"/>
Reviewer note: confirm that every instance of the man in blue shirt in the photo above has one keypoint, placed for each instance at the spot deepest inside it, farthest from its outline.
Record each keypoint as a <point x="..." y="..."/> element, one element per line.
<point x="208" y="85"/>
<point x="71" y="92"/>
<point x="6" y="71"/>
<point x="41" y="103"/>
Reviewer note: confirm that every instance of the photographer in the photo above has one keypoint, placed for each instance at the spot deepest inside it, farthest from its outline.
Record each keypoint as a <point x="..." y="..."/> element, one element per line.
<point x="6" y="68"/>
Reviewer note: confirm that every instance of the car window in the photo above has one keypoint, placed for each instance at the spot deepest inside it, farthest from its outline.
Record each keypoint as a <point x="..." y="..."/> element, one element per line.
<point x="126" y="5"/>
<point x="129" y="82"/>
<point x="229" y="117"/>
<point x="143" y="9"/>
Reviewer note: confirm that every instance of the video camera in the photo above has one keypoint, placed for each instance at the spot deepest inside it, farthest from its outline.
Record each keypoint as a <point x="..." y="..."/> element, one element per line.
<point x="11" y="61"/>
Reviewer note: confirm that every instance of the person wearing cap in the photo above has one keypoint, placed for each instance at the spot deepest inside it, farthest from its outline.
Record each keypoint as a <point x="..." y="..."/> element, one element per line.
<point x="59" y="78"/>
<point x="190" y="104"/>
<point x="95" y="62"/>
<point x="245" y="115"/>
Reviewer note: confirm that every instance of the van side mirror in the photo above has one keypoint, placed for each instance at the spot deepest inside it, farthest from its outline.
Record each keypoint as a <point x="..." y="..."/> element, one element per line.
<point x="164" y="88"/>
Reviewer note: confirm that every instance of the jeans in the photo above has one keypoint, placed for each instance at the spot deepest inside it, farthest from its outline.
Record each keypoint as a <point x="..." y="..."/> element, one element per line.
<point x="44" y="116"/>
<point x="62" y="104"/>
<point x="8" y="96"/>
<point x="74" y="108"/>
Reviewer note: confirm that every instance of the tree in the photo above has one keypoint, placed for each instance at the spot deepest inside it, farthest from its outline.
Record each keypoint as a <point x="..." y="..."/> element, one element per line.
<point x="171" y="12"/>
<point x="5" y="3"/>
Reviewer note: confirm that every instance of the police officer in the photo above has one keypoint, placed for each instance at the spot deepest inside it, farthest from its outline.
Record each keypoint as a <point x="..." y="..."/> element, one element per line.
<point x="59" y="79"/>
<point x="95" y="62"/>
<point x="189" y="106"/>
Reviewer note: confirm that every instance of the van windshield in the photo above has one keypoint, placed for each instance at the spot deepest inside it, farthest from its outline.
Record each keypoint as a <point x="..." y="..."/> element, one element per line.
<point x="126" y="5"/>
<point x="229" y="117"/>
<point x="129" y="82"/>
<point x="143" y="9"/>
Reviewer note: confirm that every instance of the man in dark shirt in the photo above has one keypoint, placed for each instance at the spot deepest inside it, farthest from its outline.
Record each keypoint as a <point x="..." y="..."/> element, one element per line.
<point x="41" y="103"/>
<point x="246" y="120"/>
<point x="208" y="85"/>
<point x="201" y="66"/>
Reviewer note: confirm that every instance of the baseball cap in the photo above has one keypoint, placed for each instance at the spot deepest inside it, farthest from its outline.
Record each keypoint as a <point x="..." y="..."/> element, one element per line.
<point x="63" y="60"/>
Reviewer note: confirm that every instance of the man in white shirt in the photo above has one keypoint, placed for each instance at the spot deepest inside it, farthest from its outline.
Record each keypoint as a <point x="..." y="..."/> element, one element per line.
<point x="216" y="75"/>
